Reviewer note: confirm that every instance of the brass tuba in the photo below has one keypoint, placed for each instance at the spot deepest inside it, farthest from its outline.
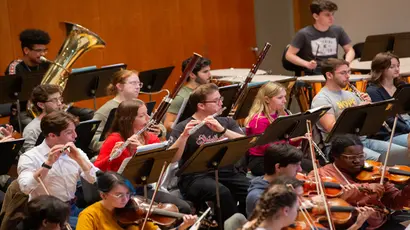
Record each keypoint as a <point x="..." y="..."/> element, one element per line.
<point x="78" y="41"/>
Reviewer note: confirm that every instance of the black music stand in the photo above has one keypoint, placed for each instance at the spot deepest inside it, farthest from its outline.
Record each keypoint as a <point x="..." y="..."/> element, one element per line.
<point x="145" y="168"/>
<point x="227" y="92"/>
<point x="89" y="84"/>
<point x="244" y="106"/>
<point x="10" y="150"/>
<point x="286" y="127"/>
<point x="150" y="107"/>
<point x="153" y="80"/>
<point x="375" y="44"/>
<point x="363" y="120"/>
<point x="85" y="133"/>
<point x="215" y="155"/>
<point x="402" y="96"/>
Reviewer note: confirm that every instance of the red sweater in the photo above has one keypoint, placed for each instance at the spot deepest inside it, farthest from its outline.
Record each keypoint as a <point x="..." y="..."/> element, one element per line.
<point x="103" y="162"/>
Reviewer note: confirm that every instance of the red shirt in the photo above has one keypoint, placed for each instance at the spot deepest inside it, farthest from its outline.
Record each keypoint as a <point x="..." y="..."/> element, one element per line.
<point x="103" y="162"/>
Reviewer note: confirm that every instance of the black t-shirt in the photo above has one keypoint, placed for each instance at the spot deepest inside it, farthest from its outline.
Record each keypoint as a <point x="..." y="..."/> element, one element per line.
<point x="19" y="67"/>
<point x="201" y="136"/>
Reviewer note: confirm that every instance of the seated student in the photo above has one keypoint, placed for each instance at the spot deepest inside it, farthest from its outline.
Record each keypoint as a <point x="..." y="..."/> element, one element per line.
<point x="201" y="74"/>
<point x="385" y="80"/>
<point x="269" y="104"/>
<point x="125" y="86"/>
<point x="279" y="159"/>
<point x="348" y="160"/>
<point x="200" y="187"/>
<point x="45" y="212"/>
<point x="337" y="74"/>
<point x="57" y="161"/>
<point x="115" y="195"/>
<point x="276" y="209"/>
<point x="130" y="117"/>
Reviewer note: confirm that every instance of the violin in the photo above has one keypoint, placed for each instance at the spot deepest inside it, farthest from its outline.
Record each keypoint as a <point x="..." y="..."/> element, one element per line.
<point x="399" y="174"/>
<point x="332" y="187"/>
<point x="161" y="214"/>
<point x="302" y="224"/>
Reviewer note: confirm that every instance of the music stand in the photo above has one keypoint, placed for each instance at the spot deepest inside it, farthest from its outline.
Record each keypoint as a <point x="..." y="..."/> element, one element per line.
<point x="286" y="127"/>
<point x="85" y="133"/>
<point x="150" y="107"/>
<point x="363" y="120"/>
<point x="402" y="96"/>
<point x="244" y="106"/>
<point x="10" y="150"/>
<point x="145" y="168"/>
<point x="215" y="155"/>
<point x="227" y="92"/>
<point x="153" y="80"/>
<point x="375" y="44"/>
<point x="89" y="84"/>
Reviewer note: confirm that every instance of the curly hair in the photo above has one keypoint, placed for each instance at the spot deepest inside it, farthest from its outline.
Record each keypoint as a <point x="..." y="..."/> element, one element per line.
<point x="30" y="37"/>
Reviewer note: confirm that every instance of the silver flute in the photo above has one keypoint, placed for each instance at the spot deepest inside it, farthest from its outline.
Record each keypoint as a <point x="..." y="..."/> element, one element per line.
<point x="357" y="93"/>
<point x="202" y="123"/>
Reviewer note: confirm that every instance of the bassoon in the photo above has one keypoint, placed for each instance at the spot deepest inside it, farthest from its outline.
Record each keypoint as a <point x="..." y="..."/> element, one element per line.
<point x="242" y="89"/>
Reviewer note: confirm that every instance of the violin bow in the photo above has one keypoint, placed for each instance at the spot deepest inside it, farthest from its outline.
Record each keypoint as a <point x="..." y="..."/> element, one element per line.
<point x="68" y="227"/>
<point x="303" y="210"/>
<point x="155" y="193"/>
<point x="388" y="150"/>
<point x="320" y="185"/>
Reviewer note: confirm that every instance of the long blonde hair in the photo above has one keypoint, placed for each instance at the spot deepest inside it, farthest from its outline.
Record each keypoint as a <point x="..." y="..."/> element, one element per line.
<point x="260" y="105"/>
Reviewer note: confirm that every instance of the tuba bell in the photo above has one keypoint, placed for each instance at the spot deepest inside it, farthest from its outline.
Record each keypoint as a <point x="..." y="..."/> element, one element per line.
<point x="78" y="41"/>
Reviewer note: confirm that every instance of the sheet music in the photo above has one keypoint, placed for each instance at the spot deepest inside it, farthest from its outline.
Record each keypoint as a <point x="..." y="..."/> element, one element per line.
<point x="124" y="164"/>
<point x="142" y="149"/>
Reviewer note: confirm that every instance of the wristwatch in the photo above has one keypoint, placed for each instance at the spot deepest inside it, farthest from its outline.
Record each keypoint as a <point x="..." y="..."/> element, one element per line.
<point x="44" y="165"/>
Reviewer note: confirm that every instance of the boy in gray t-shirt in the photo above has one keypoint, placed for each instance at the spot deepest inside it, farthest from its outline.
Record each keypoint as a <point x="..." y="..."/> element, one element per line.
<point x="319" y="41"/>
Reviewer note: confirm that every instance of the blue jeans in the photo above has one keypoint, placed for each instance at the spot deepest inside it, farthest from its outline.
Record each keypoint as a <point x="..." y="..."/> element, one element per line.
<point x="401" y="140"/>
<point x="376" y="150"/>
<point x="75" y="211"/>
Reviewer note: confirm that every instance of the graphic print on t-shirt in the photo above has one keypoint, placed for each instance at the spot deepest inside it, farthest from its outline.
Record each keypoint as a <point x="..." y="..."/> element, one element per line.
<point x="346" y="103"/>
<point x="327" y="46"/>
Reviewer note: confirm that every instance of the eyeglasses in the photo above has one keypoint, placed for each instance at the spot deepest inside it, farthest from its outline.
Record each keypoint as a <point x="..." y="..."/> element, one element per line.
<point x="120" y="195"/>
<point x="215" y="101"/>
<point x="40" y="50"/>
<point x="136" y="83"/>
<point x="354" y="157"/>
<point x="344" y="73"/>
<point x="56" y="100"/>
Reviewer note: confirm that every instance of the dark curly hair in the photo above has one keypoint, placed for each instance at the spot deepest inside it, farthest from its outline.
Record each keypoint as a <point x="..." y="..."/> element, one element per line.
<point x="30" y="37"/>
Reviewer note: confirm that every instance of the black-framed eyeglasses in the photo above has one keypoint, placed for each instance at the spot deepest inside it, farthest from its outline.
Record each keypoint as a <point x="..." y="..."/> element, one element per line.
<point x="56" y="100"/>
<point x="221" y="99"/>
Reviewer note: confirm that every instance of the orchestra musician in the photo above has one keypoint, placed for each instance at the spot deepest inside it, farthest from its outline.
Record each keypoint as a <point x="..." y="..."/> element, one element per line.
<point x="125" y="85"/>
<point x="115" y="194"/>
<point x="268" y="105"/>
<point x="200" y="187"/>
<point x="385" y="79"/>
<point x="315" y="43"/>
<point x="57" y="162"/>
<point x="130" y="117"/>
<point x="201" y="74"/>
<point x="348" y="157"/>
<point x="337" y="74"/>
<point x="279" y="159"/>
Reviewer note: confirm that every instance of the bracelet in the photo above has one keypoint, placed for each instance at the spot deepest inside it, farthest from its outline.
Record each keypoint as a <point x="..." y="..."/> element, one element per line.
<point x="44" y="165"/>
<point x="223" y="132"/>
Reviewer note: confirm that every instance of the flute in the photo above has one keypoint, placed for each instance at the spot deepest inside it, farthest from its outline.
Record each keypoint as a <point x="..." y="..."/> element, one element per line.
<point x="202" y="123"/>
<point x="358" y="94"/>
<point x="65" y="148"/>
